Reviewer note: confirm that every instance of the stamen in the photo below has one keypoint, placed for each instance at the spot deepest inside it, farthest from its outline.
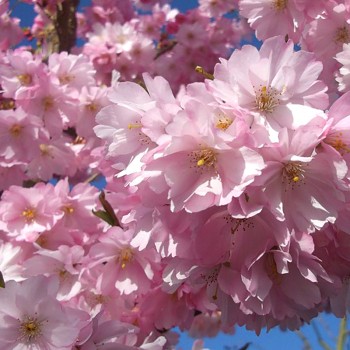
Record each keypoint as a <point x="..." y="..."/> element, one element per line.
<point x="92" y="107"/>
<point x="29" y="214"/>
<point x="134" y="126"/>
<point x="125" y="256"/>
<point x="224" y="122"/>
<point x="15" y="130"/>
<point x="143" y="138"/>
<point x="44" y="149"/>
<point x="267" y="99"/>
<point x="48" y="103"/>
<point x="342" y="35"/>
<point x="205" y="158"/>
<point x="63" y="274"/>
<point x="293" y="172"/>
<point x="212" y="278"/>
<point x="6" y="104"/>
<point x="79" y="140"/>
<point x="65" y="79"/>
<point x="271" y="268"/>
<point x="280" y="5"/>
<point x="25" y="79"/>
<point x="68" y="209"/>
<point x="244" y="224"/>
<point x="337" y="142"/>
<point x="29" y="329"/>
<point x="207" y="75"/>
<point x="41" y="241"/>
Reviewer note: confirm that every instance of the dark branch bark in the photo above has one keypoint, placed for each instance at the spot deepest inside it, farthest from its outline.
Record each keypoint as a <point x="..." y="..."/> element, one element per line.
<point x="66" y="24"/>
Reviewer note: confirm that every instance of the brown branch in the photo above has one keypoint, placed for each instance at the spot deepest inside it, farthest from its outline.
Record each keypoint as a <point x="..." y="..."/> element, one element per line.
<point x="66" y="24"/>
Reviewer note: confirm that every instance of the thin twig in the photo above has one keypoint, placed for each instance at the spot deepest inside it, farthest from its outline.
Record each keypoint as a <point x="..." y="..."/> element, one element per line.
<point x="324" y="345"/>
<point x="307" y="345"/>
<point x="342" y="334"/>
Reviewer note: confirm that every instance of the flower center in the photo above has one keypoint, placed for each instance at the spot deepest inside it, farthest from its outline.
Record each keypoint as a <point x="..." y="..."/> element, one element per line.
<point x="267" y="99"/>
<point x="92" y="107"/>
<point x="243" y="224"/>
<point x="63" y="274"/>
<point x="125" y="256"/>
<point x="134" y="125"/>
<point x="342" y="35"/>
<point x="293" y="172"/>
<point x="280" y="5"/>
<point x="29" y="214"/>
<point x="143" y="138"/>
<point x="30" y="329"/>
<point x="15" y="130"/>
<point x="65" y="79"/>
<point x="48" y="103"/>
<point x="7" y="103"/>
<point x="271" y="268"/>
<point x="44" y="149"/>
<point x="25" y="79"/>
<point x="210" y="279"/>
<point x="223" y="123"/>
<point x="205" y="158"/>
<point x="68" y="209"/>
<point x="336" y="142"/>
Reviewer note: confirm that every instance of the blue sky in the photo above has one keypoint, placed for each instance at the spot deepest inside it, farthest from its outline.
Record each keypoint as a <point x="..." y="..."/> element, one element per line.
<point x="275" y="339"/>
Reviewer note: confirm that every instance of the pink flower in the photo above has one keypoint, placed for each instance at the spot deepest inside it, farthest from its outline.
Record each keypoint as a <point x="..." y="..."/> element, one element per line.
<point x="31" y="317"/>
<point x="50" y="102"/>
<point x="19" y="135"/>
<point x="325" y="38"/>
<point x="273" y="17"/>
<point x="11" y="265"/>
<point x="92" y="100"/>
<point x="77" y="205"/>
<point x="27" y="212"/>
<point x="332" y="247"/>
<point x="20" y="74"/>
<point x="11" y="33"/>
<point x="337" y="134"/>
<point x="121" y="263"/>
<point x="304" y="185"/>
<point x="11" y="175"/>
<point x="65" y="263"/>
<point x="191" y="35"/>
<point x="55" y="157"/>
<point x="276" y="84"/>
<point x="273" y="280"/>
<point x="122" y="130"/>
<point x="217" y="8"/>
<point x="343" y="57"/>
<point x="108" y="335"/>
<point x="71" y="71"/>
<point x="198" y="174"/>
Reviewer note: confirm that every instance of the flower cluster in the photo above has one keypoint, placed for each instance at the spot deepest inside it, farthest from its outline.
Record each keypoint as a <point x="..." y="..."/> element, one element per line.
<point x="158" y="41"/>
<point x="226" y="176"/>
<point x="321" y="27"/>
<point x="238" y="174"/>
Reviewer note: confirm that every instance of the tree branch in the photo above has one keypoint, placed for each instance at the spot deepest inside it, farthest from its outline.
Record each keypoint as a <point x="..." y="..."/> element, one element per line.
<point x="66" y="24"/>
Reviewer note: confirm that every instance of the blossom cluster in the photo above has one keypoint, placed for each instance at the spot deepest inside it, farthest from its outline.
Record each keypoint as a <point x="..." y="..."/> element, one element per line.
<point x="321" y="27"/>
<point x="245" y="177"/>
<point x="159" y="41"/>
<point x="226" y="198"/>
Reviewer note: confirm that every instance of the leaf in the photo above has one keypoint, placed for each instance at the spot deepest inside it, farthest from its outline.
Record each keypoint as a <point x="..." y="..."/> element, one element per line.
<point x="104" y="216"/>
<point x="244" y="347"/>
<point x="109" y="210"/>
<point x="2" y="281"/>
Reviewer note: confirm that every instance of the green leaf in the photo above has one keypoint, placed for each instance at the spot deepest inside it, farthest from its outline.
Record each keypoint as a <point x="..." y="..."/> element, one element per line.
<point x="2" y="281"/>
<point x="109" y="210"/>
<point x="104" y="216"/>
